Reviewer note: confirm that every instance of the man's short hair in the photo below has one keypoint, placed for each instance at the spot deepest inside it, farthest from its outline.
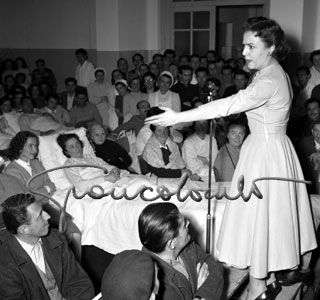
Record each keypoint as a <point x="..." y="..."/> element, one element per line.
<point x="202" y="69"/>
<point x="311" y="100"/>
<point x="70" y="79"/>
<point x="313" y="54"/>
<point x="81" y="51"/>
<point x="170" y="52"/>
<point x="303" y="68"/>
<point x="15" y="211"/>
<point x="185" y="68"/>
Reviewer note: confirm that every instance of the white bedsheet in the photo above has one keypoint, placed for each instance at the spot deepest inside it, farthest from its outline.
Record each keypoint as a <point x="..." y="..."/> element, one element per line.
<point x="112" y="225"/>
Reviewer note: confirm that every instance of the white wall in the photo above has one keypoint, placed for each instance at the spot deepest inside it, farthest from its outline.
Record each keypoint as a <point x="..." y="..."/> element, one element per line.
<point x="311" y="26"/>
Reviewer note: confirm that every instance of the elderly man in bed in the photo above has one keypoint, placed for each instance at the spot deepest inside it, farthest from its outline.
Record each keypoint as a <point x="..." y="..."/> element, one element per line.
<point x="83" y="178"/>
<point x="35" y="121"/>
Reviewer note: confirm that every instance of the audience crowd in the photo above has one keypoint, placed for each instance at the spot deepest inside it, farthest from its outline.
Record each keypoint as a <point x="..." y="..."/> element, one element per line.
<point x="113" y="108"/>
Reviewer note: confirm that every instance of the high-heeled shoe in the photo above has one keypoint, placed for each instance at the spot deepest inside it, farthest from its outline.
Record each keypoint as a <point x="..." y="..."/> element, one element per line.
<point x="266" y="295"/>
<point x="275" y="288"/>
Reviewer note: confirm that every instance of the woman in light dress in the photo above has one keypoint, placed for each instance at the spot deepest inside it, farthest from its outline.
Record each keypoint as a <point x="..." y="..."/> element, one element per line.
<point x="271" y="233"/>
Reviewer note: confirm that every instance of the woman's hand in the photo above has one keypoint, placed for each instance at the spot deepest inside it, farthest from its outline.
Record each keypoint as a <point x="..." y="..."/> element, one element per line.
<point x="203" y="273"/>
<point x="168" y="118"/>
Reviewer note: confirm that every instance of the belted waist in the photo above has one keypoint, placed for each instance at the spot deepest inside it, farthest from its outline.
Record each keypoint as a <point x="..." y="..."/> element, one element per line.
<point x="269" y="129"/>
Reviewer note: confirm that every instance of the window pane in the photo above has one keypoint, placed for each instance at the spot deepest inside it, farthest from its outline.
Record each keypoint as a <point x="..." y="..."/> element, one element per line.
<point x="182" y="42"/>
<point x="182" y="20"/>
<point x="200" y="42"/>
<point x="201" y="19"/>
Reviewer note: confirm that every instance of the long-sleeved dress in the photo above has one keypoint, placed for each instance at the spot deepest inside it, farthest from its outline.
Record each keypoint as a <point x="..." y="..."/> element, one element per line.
<point x="267" y="234"/>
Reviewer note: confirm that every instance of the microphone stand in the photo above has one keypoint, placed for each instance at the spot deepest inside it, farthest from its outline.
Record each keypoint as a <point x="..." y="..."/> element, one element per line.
<point x="209" y="217"/>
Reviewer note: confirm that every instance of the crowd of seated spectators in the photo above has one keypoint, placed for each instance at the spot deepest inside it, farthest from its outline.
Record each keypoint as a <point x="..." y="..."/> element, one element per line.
<point x="113" y="112"/>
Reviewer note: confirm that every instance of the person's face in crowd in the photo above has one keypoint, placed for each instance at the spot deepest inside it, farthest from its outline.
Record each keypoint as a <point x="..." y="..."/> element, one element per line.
<point x="203" y="62"/>
<point x="227" y="76"/>
<point x="186" y="76"/>
<point x="256" y="54"/>
<point x="158" y="60"/>
<point x="149" y="82"/>
<point x="195" y="63"/>
<point x="100" y="76"/>
<point x="137" y="61"/>
<point x="71" y="87"/>
<point x="98" y="135"/>
<point x="183" y="238"/>
<point x="236" y="135"/>
<point x="313" y="111"/>
<point x="316" y="62"/>
<point x="212" y="68"/>
<point x="9" y="82"/>
<point x="8" y="65"/>
<point x="169" y="58"/>
<point x="143" y="109"/>
<point x="316" y="133"/>
<point x="81" y="58"/>
<point x="135" y="85"/>
<point x="201" y="78"/>
<point x="143" y="69"/>
<point x="40" y="66"/>
<point x="303" y="78"/>
<point x="35" y="91"/>
<point x="19" y="64"/>
<point x="121" y="89"/>
<point x="201" y="126"/>
<point x="29" y="150"/>
<point x="232" y="63"/>
<point x="81" y="100"/>
<point x="173" y="69"/>
<point x="161" y="133"/>
<point x="164" y="84"/>
<point x="183" y="61"/>
<point x="211" y="56"/>
<point x="74" y="148"/>
<point x="21" y="79"/>
<point x="241" y="62"/>
<point x="123" y="66"/>
<point x="6" y="106"/>
<point x="27" y="106"/>
<point x="17" y="101"/>
<point x="52" y="103"/>
<point x="37" y="225"/>
<point x="154" y="68"/>
<point x="240" y="81"/>
<point x="117" y="75"/>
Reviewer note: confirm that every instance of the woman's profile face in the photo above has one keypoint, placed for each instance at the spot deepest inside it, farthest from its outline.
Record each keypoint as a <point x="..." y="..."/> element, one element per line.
<point x="255" y="52"/>
<point x="98" y="135"/>
<point x="74" y="148"/>
<point x="29" y="150"/>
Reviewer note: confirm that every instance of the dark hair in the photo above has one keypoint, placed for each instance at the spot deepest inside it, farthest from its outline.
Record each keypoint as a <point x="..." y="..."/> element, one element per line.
<point x="170" y="52"/>
<point x="157" y="55"/>
<point x="8" y="60"/>
<point x="62" y="140"/>
<point x="303" y="68"/>
<point x="54" y="96"/>
<point x="194" y="56"/>
<point x="149" y="73"/>
<point x="241" y="72"/>
<point x="17" y="143"/>
<point x="311" y="100"/>
<point x="121" y="58"/>
<point x="82" y="91"/>
<point x="70" y="79"/>
<point x="15" y="211"/>
<point x="184" y="56"/>
<point x="185" y="68"/>
<point x="137" y="54"/>
<point x="226" y="67"/>
<point x="233" y="124"/>
<point x="99" y="70"/>
<point x="271" y="34"/>
<point x="158" y="223"/>
<point x="314" y="123"/>
<point x="141" y="101"/>
<point x="212" y="52"/>
<point x="81" y="51"/>
<point x="20" y="75"/>
<point x="214" y="80"/>
<point x="313" y="54"/>
<point x="116" y="70"/>
<point x="5" y="99"/>
<point x="153" y="111"/>
<point x="202" y="69"/>
<point x="24" y="64"/>
<point x="40" y="60"/>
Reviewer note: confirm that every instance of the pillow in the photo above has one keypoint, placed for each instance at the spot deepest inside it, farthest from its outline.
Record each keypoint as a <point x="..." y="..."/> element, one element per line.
<point x="51" y="156"/>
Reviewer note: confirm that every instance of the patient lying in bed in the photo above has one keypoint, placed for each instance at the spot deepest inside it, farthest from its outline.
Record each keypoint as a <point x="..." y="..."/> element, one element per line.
<point x="83" y="178"/>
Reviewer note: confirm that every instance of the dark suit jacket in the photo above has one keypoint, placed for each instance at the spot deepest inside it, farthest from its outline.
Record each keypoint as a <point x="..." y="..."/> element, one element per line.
<point x="19" y="278"/>
<point x="304" y="149"/>
<point x="64" y="100"/>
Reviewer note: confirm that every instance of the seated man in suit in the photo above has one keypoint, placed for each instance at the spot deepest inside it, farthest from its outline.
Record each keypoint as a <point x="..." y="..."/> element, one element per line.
<point x="67" y="98"/>
<point x="36" y="262"/>
<point x="308" y="151"/>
